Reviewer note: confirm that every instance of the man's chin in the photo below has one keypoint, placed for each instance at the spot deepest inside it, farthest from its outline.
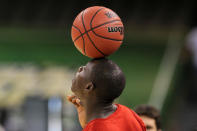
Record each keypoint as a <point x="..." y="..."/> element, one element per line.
<point x="73" y="92"/>
<point x="72" y="89"/>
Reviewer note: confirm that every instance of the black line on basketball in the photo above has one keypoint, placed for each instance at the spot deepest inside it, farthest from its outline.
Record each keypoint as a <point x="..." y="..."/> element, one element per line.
<point x="94" y="28"/>
<point x="89" y="36"/>
<point x="98" y="34"/>
<point x="82" y="38"/>
<point x="95" y="14"/>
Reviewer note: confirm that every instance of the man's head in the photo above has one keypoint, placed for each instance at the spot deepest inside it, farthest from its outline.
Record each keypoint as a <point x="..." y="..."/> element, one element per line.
<point x="150" y="117"/>
<point x="101" y="79"/>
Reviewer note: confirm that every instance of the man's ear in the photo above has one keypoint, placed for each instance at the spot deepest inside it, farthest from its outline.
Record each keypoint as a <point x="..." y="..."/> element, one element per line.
<point x="89" y="87"/>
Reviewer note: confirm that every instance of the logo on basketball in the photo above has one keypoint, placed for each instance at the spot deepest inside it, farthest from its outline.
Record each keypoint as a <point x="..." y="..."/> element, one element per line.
<point x="116" y="29"/>
<point x="110" y="14"/>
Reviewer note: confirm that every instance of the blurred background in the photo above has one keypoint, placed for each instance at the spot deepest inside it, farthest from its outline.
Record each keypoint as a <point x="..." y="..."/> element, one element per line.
<point x="38" y="60"/>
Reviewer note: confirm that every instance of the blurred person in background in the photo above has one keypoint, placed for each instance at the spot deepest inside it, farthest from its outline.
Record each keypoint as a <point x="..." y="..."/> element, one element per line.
<point x="191" y="40"/>
<point x="191" y="63"/>
<point x="95" y="87"/>
<point x="150" y="116"/>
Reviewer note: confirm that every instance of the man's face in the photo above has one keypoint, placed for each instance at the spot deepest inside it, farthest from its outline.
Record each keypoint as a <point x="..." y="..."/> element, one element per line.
<point x="81" y="79"/>
<point x="149" y="123"/>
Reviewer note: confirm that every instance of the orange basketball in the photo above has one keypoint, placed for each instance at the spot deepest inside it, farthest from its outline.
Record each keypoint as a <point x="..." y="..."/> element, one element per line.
<point x="97" y="32"/>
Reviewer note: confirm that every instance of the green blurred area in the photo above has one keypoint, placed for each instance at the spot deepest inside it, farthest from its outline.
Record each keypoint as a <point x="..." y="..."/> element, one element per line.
<point x="138" y="58"/>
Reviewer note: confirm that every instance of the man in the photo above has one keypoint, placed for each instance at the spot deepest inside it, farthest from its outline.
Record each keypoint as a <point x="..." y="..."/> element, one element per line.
<point x="191" y="68"/>
<point x="95" y="87"/>
<point x="150" y="117"/>
<point x="191" y="45"/>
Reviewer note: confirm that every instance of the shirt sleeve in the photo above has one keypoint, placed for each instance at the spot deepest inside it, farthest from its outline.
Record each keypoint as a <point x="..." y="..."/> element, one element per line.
<point x="139" y="120"/>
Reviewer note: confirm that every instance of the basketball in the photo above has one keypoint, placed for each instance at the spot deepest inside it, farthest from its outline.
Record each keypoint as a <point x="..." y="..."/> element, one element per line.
<point x="97" y="32"/>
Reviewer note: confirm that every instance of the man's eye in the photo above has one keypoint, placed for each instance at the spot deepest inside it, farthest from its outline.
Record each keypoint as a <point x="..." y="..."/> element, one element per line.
<point x="148" y="127"/>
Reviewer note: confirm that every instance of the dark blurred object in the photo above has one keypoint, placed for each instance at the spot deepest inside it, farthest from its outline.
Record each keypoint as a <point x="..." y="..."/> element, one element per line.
<point x="195" y="129"/>
<point x="3" y="116"/>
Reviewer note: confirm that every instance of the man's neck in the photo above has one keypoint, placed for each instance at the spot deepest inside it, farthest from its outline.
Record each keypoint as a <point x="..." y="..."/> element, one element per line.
<point x="97" y="110"/>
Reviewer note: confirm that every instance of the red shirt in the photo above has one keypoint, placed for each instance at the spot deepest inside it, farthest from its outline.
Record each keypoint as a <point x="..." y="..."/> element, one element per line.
<point x="123" y="119"/>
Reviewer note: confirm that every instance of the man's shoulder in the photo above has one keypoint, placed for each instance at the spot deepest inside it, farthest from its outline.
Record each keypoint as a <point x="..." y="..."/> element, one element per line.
<point x="97" y="125"/>
<point x="133" y="117"/>
<point x="128" y="110"/>
<point x="123" y="118"/>
<point x="125" y="109"/>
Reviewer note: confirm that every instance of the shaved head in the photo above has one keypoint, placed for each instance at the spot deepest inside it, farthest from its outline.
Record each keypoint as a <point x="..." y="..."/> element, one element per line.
<point x="108" y="79"/>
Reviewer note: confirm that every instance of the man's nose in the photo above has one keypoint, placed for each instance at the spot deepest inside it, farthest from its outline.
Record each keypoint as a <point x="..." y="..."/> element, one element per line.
<point x="80" y="68"/>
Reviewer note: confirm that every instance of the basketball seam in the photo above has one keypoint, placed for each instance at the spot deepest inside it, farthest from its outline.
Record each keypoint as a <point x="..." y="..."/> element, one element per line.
<point x="94" y="28"/>
<point x="95" y="32"/>
<point x="82" y="38"/>
<point x="95" y="14"/>
<point x="89" y="36"/>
